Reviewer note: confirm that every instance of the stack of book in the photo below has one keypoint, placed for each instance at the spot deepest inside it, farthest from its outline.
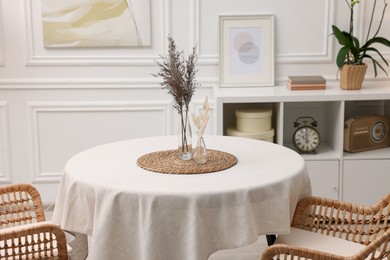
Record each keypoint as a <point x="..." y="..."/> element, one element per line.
<point x="306" y="82"/>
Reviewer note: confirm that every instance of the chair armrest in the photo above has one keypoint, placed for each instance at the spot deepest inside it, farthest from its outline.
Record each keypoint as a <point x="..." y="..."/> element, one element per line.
<point x="39" y="240"/>
<point x="357" y="223"/>
<point x="284" y="251"/>
<point x="379" y="249"/>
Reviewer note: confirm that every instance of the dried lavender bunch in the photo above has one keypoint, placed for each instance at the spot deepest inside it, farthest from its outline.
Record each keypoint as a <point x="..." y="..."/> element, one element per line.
<point x="178" y="75"/>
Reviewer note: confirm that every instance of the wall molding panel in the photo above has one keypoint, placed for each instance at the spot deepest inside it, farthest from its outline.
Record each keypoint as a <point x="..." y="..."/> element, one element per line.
<point x="323" y="56"/>
<point x="60" y="130"/>
<point x="196" y="34"/>
<point x="77" y="83"/>
<point x="2" y="53"/>
<point x="195" y="28"/>
<point x="5" y="157"/>
<point x="363" y="16"/>
<point x="90" y="84"/>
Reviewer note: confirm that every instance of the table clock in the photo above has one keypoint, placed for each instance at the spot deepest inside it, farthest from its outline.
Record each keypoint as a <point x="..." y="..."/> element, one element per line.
<point x="306" y="137"/>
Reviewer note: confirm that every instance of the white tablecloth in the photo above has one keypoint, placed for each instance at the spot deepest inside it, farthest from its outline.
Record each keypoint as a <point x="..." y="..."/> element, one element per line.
<point x="135" y="214"/>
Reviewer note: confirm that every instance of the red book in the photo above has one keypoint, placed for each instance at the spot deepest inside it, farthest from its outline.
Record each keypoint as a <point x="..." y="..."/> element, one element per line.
<point x="306" y="86"/>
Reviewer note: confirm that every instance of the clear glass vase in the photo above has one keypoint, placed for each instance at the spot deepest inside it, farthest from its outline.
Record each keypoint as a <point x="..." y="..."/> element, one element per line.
<point x="185" y="136"/>
<point x="200" y="151"/>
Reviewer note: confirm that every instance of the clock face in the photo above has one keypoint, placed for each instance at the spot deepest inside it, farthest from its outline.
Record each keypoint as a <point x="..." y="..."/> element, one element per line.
<point x="306" y="139"/>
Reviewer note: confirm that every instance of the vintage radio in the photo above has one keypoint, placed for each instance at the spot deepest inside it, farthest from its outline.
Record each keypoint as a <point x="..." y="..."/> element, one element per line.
<point x="366" y="133"/>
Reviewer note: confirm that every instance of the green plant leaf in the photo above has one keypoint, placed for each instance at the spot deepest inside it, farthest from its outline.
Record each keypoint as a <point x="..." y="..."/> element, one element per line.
<point x="342" y="37"/>
<point x="342" y="56"/>
<point x="356" y="43"/>
<point x="381" y="40"/>
<point x="379" y="54"/>
<point x="381" y="67"/>
<point x="355" y="50"/>
<point x="375" y="64"/>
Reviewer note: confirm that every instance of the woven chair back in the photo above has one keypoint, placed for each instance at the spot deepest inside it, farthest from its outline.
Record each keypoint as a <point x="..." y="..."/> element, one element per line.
<point x="24" y="234"/>
<point x="20" y="204"/>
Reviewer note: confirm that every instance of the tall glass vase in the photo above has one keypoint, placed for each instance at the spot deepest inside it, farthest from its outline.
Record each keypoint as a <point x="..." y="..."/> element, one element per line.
<point x="185" y="136"/>
<point x="200" y="151"/>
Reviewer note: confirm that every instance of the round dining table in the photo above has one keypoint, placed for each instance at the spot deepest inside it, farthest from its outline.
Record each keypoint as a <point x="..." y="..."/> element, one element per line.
<point x="132" y="213"/>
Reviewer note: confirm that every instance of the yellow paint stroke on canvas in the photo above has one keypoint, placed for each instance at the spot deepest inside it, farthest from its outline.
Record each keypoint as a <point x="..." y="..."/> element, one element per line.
<point x="89" y="23"/>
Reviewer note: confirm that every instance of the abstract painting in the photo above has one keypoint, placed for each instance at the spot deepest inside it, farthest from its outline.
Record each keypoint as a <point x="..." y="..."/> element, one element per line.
<point x="245" y="51"/>
<point x="96" y="23"/>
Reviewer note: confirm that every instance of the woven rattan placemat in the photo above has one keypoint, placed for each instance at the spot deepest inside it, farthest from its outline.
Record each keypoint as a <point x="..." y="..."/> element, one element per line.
<point x="168" y="161"/>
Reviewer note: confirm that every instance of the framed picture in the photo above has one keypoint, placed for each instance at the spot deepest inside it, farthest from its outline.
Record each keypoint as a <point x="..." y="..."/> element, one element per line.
<point x="246" y="50"/>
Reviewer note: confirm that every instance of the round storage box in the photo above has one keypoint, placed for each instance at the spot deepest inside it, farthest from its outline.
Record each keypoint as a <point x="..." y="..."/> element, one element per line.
<point x="265" y="135"/>
<point x="254" y="119"/>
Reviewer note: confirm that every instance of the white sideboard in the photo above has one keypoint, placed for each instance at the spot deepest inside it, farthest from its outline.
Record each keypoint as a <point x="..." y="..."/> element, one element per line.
<point x="361" y="177"/>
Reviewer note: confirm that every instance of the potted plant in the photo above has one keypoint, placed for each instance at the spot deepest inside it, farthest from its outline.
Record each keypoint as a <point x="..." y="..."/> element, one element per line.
<point x="352" y="53"/>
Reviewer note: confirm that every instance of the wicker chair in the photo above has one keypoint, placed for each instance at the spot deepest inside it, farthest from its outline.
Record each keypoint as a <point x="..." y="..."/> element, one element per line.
<point x="364" y="228"/>
<point x="24" y="233"/>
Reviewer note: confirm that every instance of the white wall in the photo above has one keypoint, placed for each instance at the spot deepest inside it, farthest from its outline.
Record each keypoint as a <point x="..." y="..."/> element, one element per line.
<point x="57" y="102"/>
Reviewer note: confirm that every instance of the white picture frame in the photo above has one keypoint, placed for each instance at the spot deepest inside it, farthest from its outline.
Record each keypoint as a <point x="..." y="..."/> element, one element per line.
<point x="246" y="56"/>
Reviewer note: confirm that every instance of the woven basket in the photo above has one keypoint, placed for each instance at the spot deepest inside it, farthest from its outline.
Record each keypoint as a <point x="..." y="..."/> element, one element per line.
<point x="352" y="76"/>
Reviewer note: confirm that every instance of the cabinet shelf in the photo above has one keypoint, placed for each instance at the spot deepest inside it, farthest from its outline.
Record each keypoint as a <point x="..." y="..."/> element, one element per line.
<point x="383" y="153"/>
<point x="324" y="152"/>
<point x="331" y="165"/>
